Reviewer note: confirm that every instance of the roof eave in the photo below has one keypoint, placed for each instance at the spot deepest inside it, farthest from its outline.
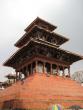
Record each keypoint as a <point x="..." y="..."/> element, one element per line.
<point x="53" y="27"/>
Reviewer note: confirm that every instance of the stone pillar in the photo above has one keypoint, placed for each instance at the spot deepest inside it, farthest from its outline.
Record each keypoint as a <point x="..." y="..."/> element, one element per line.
<point x="51" y="69"/>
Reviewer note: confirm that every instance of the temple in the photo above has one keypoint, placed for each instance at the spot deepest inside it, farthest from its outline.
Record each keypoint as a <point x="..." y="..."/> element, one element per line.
<point x="39" y="51"/>
<point x="41" y="67"/>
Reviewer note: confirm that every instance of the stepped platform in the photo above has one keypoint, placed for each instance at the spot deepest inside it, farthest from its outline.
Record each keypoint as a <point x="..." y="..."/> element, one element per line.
<point x="40" y="91"/>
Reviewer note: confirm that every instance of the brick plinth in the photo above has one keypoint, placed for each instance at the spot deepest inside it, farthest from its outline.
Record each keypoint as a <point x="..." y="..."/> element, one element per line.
<point x="41" y="91"/>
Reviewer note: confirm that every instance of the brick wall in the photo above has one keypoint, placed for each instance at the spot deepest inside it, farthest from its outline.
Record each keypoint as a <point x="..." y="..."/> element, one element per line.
<point x="40" y="92"/>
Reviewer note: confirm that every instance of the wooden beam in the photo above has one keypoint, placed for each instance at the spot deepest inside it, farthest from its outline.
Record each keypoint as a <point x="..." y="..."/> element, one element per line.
<point x="43" y="67"/>
<point x="36" y="66"/>
<point x="51" y="69"/>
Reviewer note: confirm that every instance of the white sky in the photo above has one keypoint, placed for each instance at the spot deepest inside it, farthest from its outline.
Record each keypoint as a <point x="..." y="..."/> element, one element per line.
<point x="16" y="15"/>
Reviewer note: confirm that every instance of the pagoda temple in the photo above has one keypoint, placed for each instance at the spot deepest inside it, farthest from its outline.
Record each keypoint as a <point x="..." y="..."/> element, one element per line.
<point x="46" y="70"/>
<point x="39" y="51"/>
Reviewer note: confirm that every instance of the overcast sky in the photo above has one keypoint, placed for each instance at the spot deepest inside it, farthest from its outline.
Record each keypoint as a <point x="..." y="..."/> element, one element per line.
<point x="16" y="15"/>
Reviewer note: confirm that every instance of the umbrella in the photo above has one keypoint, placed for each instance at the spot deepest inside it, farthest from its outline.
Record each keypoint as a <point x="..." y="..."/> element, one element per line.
<point x="56" y="107"/>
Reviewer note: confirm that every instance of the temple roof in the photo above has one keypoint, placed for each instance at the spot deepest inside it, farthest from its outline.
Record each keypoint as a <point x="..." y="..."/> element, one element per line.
<point x="24" y="39"/>
<point x="33" y="37"/>
<point x="42" y="23"/>
<point x="74" y="57"/>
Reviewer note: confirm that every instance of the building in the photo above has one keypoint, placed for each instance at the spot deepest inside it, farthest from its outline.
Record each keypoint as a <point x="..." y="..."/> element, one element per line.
<point x="46" y="67"/>
<point x="44" y="54"/>
<point x="1" y="86"/>
<point x="11" y="78"/>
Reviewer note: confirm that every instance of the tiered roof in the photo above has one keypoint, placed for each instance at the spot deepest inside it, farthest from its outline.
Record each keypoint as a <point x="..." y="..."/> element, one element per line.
<point x="24" y="39"/>
<point x="14" y="57"/>
<point x="39" y="25"/>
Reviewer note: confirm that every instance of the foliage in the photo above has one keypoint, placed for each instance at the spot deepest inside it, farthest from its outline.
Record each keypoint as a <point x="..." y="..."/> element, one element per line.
<point x="78" y="76"/>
